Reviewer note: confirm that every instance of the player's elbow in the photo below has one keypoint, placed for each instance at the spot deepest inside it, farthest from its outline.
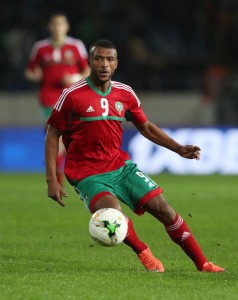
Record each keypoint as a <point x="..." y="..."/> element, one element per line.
<point x="144" y="129"/>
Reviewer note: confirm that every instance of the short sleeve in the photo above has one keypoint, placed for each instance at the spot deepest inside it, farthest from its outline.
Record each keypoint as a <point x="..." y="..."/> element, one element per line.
<point x="62" y="113"/>
<point x="135" y="113"/>
<point x="34" y="57"/>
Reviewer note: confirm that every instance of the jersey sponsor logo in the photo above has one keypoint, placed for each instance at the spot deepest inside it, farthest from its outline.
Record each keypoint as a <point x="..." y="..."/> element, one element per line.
<point x="119" y="107"/>
<point x="90" y="109"/>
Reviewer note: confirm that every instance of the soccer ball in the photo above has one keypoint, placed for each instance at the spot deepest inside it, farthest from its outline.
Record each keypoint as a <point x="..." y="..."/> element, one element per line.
<point x="108" y="227"/>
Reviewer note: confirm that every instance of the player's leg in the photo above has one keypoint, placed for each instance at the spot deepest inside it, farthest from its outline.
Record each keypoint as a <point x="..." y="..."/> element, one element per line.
<point x="98" y="192"/>
<point x="179" y="232"/>
<point x="145" y="195"/>
<point x="130" y="187"/>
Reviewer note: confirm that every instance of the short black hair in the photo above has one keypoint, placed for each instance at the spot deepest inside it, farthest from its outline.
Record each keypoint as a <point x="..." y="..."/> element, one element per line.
<point x="102" y="43"/>
<point x="57" y="13"/>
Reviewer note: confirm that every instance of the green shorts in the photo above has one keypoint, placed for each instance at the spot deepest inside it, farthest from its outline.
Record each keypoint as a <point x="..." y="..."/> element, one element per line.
<point x="130" y="185"/>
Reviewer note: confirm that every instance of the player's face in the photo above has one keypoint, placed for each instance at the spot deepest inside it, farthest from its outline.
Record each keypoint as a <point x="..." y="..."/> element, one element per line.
<point x="103" y="63"/>
<point x="58" y="26"/>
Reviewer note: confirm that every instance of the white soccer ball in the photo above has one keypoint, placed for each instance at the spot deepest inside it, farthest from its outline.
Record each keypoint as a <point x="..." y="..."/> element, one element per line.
<point x="108" y="227"/>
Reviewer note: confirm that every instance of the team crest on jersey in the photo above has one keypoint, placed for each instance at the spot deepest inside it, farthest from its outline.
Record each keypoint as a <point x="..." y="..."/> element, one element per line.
<point x="68" y="54"/>
<point x="119" y="107"/>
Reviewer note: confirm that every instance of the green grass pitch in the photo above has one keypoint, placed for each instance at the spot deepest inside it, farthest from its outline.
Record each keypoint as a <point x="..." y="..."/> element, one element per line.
<point x="46" y="251"/>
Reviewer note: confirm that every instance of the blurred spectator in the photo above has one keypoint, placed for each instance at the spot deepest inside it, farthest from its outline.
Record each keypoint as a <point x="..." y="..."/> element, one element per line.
<point x="170" y="43"/>
<point x="56" y="63"/>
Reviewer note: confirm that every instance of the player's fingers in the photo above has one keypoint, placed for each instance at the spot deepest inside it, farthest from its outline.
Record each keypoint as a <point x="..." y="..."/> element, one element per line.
<point x="59" y="200"/>
<point x="63" y="193"/>
<point x="197" y="155"/>
<point x="195" y="148"/>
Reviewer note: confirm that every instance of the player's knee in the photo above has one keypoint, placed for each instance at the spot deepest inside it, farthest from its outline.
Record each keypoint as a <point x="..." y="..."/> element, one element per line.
<point x="160" y="209"/>
<point x="107" y="202"/>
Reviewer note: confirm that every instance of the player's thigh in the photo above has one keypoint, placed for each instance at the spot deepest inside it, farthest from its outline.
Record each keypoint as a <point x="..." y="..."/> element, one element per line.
<point x="95" y="188"/>
<point x="133" y="185"/>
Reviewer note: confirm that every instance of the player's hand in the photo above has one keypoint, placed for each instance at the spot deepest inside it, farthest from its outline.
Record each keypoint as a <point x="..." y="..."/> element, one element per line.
<point x="190" y="152"/>
<point x="56" y="192"/>
<point x="35" y="75"/>
<point x="38" y="73"/>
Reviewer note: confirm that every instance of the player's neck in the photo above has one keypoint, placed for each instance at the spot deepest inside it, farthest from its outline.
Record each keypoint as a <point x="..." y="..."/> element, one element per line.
<point x="58" y="41"/>
<point x="101" y="86"/>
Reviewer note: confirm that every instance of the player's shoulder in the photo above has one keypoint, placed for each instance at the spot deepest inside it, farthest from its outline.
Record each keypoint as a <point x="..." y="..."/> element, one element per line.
<point x="75" y="88"/>
<point x="120" y="85"/>
<point x="40" y="46"/>
<point x="125" y="90"/>
<point x="77" y="44"/>
<point x="74" y="42"/>
<point x="42" y="43"/>
<point x="67" y="94"/>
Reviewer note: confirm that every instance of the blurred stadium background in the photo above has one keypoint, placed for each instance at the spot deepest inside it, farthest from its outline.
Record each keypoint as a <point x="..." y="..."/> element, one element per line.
<point x="181" y="57"/>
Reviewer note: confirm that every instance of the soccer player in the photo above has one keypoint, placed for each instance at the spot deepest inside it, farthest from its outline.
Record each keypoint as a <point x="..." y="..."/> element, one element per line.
<point x="56" y="62"/>
<point x="88" y="116"/>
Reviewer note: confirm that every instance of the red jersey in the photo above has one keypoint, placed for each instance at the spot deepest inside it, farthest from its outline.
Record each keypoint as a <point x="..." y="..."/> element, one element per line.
<point x="90" y="123"/>
<point x="70" y="58"/>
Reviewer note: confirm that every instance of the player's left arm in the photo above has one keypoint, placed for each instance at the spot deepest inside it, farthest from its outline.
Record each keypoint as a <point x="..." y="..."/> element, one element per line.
<point x="155" y="134"/>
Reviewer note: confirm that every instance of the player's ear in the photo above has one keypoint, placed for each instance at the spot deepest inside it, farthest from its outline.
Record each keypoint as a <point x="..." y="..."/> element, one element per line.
<point x="116" y="64"/>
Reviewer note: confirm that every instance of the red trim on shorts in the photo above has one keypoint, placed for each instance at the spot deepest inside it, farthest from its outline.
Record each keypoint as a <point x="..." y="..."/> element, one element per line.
<point x="147" y="197"/>
<point x="96" y="198"/>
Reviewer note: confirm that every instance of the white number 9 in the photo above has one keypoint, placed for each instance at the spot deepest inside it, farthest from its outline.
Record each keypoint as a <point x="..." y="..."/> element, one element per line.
<point x="104" y="105"/>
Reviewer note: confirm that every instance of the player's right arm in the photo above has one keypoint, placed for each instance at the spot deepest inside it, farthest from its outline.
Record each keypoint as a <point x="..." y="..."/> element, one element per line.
<point x="34" y="75"/>
<point x="58" y="124"/>
<point x="55" y="190"/>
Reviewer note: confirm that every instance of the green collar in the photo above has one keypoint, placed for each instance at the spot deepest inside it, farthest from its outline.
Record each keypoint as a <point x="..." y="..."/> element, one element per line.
<point x="97" y="90"/>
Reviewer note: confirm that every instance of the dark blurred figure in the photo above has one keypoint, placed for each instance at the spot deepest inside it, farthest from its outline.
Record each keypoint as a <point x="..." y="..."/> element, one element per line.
<point x="163" y="45"/>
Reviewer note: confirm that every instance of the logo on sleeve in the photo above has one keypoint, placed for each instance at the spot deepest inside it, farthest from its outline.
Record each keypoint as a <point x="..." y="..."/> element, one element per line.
<point x="119" y="107"/>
